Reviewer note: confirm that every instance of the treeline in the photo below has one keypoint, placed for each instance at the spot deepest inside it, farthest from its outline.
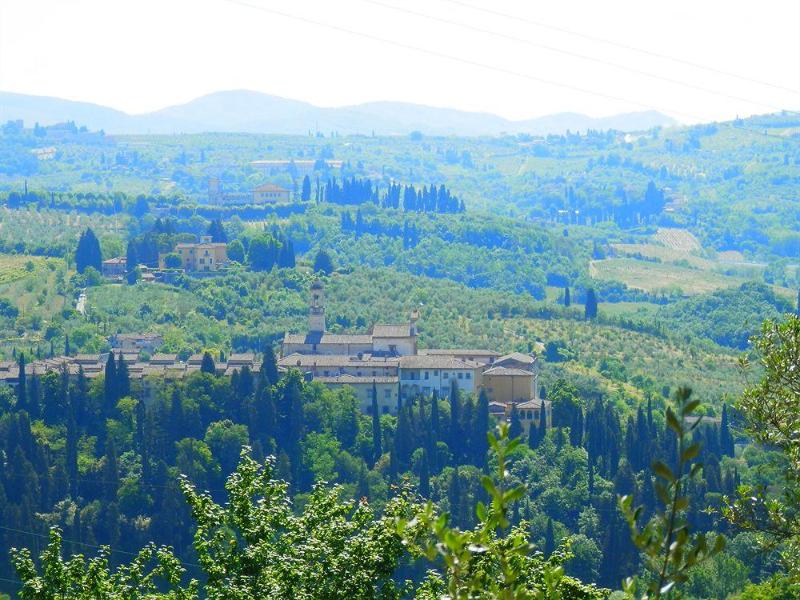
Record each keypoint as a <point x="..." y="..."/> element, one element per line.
<point x="354" y="190"/>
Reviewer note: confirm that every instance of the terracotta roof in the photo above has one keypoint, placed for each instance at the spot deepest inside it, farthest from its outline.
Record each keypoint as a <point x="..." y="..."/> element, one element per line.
<point x="434" y="362"/>
<point x="163" y="358"/>
<point x="391" y="331"/>
<point x="335" y="360"/>
<point x="532" y="403"/>
<point x="269" y="187"/>
<point x="242" y="358"/>
<point x="353" y="379"/>
<point x="519" y="357"/>
<point x="457" y="352"/>
<point x="326" y="338"/>
<point x="507" y="372"/>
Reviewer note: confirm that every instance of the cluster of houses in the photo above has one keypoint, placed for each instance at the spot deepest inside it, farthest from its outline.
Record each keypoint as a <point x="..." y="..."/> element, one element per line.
<point x="384" y="365"/>
<point x="197" y="257"/>
<point x="387" y="364"/>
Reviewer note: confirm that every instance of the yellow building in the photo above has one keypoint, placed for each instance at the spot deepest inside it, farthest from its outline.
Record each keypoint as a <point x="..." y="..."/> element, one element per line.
<point x="203" y="256"/>
<point x="512" y="378"/>
<point x="270" y="193"/>
<point x="530" y="413"/>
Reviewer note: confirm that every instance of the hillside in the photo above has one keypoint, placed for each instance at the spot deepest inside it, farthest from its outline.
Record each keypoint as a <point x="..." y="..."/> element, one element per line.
<point x="254" y="112"/>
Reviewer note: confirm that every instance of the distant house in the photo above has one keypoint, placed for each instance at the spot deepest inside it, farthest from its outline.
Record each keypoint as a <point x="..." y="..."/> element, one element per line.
<point x="204" y="255"/>
<point x="136" y="342"/>
<point x="115" y="268"/>
<point x="270" y="193"/>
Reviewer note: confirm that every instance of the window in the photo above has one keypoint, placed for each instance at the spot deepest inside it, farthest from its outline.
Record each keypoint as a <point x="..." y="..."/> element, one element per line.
<point x="427" y="375"/>
<point x="387" y="393"/>
<point x="461" y="376"/>
<point x="436" y="373"/>
<point x="325" y="373"/>
<point x="467" y="375"/>
<point x="202" y="261"/>
<point x="445" y="374"/>
<point x="386" y="410"/>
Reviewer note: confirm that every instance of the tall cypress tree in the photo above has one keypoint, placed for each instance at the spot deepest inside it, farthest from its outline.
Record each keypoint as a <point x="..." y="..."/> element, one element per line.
<point x="22" y="385"/>
<point x="88" y="252"/>
<point x="131" y="263"/>
<point x="455" y="421"/>
<point x="123" y="383"/>
<point x="590" y="308"/>
<point x="377" y="443"/>
<point x="269" y="366"/>
<point x="424" y="476"/>
<point x="567" y="299"/>
<point x="726" y="439"/>
<point x="480" y="444"/>
<point x="110" y="396"/>
<point x="549" y="539"/>
<point x="207" y="365"/>
<point x="515" y="425"/>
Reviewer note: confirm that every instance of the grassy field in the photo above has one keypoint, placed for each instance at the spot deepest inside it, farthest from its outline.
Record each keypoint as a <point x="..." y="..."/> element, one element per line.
<point x="657" y="277"/>
<point x="663" y="253"/>
<point x="677" y="239"/>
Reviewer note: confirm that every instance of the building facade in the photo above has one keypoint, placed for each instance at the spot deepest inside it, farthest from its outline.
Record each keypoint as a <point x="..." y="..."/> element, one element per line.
<point x="270" y="193"/>
<point x="202" y="256"/>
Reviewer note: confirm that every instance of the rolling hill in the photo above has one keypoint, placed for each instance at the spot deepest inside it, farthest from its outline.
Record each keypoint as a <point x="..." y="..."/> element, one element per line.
<point x="247" y="111"/>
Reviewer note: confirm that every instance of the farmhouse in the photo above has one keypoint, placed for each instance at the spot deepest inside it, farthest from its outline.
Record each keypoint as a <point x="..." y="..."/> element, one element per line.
<point x="202" y="256"/>
<point x="270" y="193"/>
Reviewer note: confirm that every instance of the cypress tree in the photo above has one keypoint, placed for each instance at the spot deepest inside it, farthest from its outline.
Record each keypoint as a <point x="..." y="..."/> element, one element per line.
<point x="207" y="365"/>
<point x="455" y="421"/>
<point x="131" y="263"/>
<point x="269" y="366"/>
<point x="549" y="539"/>
<point x="533" y="436"/>
<point x="515" y="425"/>
<point x="567" y="300"/>
<point x="305" y="194"/>
<point x="726" y="439"/>
<point x="377" y="443"/>
<point x="424" y="476"/>
<point x="88" y="252"/>
<point x="123" y="382"/>
<point x="67" y="350"/>
<point x="34" y="398"/>
<point x="22" y="385"/>
<point x="110" y="386"/>
<point x="403" y="439"/>
<point x="590" y="308"/>
<point x="480" y="444"/>
<point x="454" y="495"/>
<point x="72" y="456"/>
<point x="435" y="417"/>
<point x="110" y="473"/>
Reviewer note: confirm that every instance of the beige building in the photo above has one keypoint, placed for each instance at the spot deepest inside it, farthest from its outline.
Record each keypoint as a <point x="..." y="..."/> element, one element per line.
<point x="115" y="268"/>
<point x="269" y="193"/>
<point x="202" y="256"/>
<point x="426" y="374"/>
<point x="530" y="413"/>
<point x="512" y="378"/>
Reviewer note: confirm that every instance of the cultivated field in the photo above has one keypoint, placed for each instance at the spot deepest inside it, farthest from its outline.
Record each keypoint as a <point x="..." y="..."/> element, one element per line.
<point x="658" y="277"/>
<point x="677" y="239"/>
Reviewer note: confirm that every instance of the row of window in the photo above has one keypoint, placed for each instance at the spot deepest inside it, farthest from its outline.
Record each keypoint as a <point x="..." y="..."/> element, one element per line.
<point x="414" y="375"/>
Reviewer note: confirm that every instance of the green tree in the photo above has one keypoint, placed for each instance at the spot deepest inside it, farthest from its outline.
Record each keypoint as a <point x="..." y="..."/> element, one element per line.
<point x="323" y="263"/>
<point x="88" y="253"/>
<point x="207" y="365"/>
<point x="377" y="433"/>
<point x="131" y="263"/>
<point x="235" y="251"/>
<point x="590" y="308"/>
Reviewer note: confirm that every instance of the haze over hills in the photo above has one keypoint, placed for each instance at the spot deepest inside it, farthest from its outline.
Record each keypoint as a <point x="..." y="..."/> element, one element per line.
<point x="254" y="112"/>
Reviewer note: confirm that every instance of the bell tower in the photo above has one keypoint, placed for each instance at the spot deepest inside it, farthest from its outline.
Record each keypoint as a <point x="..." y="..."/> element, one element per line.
<point x="316" y="308"/>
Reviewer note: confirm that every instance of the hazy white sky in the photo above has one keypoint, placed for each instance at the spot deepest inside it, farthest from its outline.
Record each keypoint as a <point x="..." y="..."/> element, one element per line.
<point x="144" y="55"/>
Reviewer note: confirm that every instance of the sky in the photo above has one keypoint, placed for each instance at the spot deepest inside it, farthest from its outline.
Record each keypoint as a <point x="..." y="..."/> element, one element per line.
<point x="694" y="60"/>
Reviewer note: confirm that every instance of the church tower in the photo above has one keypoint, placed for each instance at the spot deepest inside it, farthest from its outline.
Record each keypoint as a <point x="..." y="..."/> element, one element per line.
<point x="316" y="310"/>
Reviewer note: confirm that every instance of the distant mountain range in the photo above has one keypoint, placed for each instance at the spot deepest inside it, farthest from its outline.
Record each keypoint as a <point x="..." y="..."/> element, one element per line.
<point x="254" y="112"/>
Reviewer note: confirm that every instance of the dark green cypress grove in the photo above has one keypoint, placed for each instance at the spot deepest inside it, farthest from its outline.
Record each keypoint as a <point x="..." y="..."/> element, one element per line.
<point x="403" y="445"/>
<point x="110" y="472"/>
<point x="377" y="434"/>
<point x="726" y="438"/>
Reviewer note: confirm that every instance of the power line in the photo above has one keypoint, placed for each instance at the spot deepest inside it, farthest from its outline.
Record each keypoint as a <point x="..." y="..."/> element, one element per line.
<point x="627" y="47"/>
<point x="573" y="54"/>
<point x="87" y="545"/>
<point x="486" y="66"/>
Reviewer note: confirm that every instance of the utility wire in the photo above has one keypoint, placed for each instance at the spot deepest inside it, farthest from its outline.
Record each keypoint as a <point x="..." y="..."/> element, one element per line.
<point x="487" y="66"/>
<point x="557" y="50"/>
<point x="627" y="47"/>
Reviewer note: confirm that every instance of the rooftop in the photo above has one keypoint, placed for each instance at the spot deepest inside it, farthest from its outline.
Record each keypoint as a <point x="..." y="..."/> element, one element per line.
<point x="352" y="379"/>
<point x="391" y="331"/>
<point x="435" y="362"/>
<point x="270" y="187"/>
<point x="326" y="338"/>
<point x="507" y="372"/>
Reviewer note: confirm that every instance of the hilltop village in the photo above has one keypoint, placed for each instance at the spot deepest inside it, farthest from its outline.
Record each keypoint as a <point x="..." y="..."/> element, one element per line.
<point x="385" y="363"/>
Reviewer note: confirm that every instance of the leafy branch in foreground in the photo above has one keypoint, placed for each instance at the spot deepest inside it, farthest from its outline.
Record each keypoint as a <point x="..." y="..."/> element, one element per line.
<point x="78" y="579"/>
<point x="491" y="560"/>
<point x="771" y="409"/>
<point x="668" y="549"/>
